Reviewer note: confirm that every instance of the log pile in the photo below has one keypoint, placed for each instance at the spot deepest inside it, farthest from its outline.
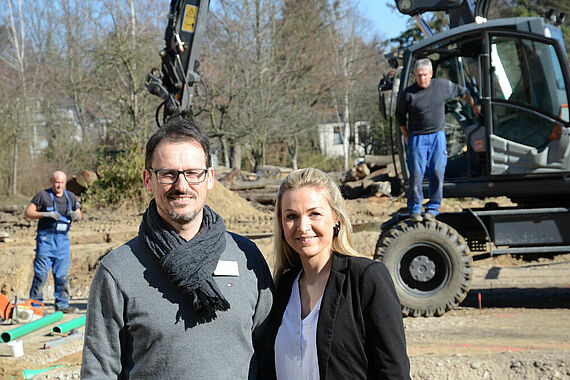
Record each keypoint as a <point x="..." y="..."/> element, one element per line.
<point x="375" y="176"/>
<point x="260" y="187"/>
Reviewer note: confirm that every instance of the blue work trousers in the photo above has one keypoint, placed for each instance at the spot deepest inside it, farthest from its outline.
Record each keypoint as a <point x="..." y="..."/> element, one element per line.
<point x="426" y="152"/>
<point x="52" y="252"/>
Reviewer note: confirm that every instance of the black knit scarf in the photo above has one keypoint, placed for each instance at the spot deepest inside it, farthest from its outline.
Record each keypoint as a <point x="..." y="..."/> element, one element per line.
<point x="190" y="264"/>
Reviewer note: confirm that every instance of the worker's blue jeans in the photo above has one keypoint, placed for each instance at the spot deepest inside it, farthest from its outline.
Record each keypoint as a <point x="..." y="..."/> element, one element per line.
<point x="426" y="152"/>
<point x="52" y="252"/>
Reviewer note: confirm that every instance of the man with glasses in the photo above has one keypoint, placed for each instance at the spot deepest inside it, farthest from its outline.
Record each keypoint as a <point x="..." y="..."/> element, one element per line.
<point x="55" y="208"/>
<point x="185" y="298"/>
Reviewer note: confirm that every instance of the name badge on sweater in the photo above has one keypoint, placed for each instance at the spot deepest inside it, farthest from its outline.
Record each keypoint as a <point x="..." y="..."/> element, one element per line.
<point x="227" y="268"/>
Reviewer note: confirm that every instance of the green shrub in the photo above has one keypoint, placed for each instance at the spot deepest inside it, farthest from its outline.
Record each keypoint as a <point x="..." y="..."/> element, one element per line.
<point x="120" y="181"/>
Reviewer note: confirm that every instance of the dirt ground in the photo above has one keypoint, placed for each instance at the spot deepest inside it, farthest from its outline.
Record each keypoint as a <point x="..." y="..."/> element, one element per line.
<point x="521" y="331"/>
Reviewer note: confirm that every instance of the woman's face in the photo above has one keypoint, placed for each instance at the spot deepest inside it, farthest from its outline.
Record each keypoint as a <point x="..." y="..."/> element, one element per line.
<point x="308" y="222"/>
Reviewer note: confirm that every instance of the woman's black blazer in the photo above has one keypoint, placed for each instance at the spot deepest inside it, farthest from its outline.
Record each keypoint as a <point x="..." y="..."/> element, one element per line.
<point x="360" y="332"/>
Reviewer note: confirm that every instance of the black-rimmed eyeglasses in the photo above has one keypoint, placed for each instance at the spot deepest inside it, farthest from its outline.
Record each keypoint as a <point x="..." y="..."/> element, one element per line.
<point x="170" y="176"/>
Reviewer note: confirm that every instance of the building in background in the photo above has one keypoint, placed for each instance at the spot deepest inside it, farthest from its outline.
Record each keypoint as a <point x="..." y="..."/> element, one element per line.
<point x="330" y="139"/>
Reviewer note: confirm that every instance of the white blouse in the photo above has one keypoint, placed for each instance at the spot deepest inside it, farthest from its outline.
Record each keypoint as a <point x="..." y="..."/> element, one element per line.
<point x="296" y="341"/>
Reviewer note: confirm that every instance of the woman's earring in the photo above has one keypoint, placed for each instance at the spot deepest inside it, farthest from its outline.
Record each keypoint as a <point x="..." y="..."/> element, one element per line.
<point x="336" y="230"/>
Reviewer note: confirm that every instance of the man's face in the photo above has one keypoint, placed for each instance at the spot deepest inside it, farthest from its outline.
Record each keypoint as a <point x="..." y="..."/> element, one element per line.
<point x="58" y="183"/>
<point x="423" y="77"/>
<point x="179" y="203"/>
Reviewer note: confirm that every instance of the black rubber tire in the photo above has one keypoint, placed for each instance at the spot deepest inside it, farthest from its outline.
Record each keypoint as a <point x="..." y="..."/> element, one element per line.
<point x="430" y="265"/>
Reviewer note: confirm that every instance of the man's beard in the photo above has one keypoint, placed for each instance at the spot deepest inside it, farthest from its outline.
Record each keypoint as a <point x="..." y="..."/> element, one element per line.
<point x="182" y="219"/>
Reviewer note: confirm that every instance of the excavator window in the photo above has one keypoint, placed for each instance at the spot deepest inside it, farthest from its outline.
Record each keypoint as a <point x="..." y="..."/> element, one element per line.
<point x="527" y="90"/>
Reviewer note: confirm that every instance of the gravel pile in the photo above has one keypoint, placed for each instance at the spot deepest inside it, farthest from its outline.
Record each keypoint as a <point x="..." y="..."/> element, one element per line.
<point x="527" y="365"/>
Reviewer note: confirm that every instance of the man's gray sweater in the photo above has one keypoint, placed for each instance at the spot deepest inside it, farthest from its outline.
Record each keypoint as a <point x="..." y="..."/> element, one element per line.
<point x="426" y="106"/>
<point x="140" y="327"/>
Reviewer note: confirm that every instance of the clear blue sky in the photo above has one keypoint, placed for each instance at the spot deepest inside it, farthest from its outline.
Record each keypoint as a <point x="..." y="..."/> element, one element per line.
<point x="387" y="23"/>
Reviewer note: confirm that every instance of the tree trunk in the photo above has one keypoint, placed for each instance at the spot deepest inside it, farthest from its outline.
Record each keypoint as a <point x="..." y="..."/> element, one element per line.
<point x="225" y="150"/>
<point x="236" y="156"/>
<point x="133" y="89"/>
<point x="346" y="134"/>
<point x="14" y="189"/>
<point x="18" y="43"/>
<point x="294" y="152"/>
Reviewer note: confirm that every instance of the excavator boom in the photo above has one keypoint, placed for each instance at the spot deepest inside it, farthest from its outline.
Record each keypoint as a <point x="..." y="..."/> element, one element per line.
<point x="179" y="72"/>
<point x="460" y="12"/>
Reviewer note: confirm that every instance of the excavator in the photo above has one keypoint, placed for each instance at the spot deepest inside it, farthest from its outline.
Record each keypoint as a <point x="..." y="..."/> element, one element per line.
<point x="517" y="70"/>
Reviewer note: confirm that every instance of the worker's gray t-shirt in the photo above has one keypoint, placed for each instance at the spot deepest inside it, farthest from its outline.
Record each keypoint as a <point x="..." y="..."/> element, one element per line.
<point x="425" y="107"/>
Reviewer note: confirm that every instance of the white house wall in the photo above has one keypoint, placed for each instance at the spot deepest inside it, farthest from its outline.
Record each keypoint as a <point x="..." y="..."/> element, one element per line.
<point x="327" y="142"/>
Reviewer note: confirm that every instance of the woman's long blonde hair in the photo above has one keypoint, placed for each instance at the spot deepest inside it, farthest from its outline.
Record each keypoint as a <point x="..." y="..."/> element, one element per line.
<point x="285" y="257"/>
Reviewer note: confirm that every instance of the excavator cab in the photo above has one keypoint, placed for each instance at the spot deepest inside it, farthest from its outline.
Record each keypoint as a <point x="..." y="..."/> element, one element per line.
<point x="519" y="74"/>
<point x="519" y="147"/>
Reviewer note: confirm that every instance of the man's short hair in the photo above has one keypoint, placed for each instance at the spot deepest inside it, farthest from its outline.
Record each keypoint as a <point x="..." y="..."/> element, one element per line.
<point x="178" y="130"/>
<point x="55" y="173"/>
<point x="424" y="63"/>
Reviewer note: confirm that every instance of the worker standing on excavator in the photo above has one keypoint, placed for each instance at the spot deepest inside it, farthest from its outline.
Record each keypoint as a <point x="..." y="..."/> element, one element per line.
<point x="55" y="208"/>
<point x="424" y="104"/>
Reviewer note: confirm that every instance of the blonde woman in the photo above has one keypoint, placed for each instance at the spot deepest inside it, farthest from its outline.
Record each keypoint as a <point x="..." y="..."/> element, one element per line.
<point x="335" y="315"/>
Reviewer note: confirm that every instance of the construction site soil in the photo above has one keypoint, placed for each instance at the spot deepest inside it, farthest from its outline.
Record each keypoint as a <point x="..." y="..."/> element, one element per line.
<point x="521" y="331"/>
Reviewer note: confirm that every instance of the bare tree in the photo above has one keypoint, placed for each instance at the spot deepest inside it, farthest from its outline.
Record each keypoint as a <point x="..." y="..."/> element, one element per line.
<point x="120" y="59"/>
<point x="18" y="40"/>
<point x="349" y="50"/>
<point x="262" y="65"/>
<point x="242" y="76"/>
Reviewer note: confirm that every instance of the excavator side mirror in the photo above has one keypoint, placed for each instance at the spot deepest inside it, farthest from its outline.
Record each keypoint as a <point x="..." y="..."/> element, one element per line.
<point x="385" y="84"/>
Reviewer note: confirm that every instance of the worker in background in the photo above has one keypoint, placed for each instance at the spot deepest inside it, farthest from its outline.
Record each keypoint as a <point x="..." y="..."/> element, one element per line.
<point x="185" y="298"/>
<point x="55" y="208"/>
<point x="424" y="133"/>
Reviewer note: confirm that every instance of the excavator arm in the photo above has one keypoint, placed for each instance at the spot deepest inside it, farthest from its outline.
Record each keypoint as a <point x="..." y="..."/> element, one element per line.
<point x="460" y="11"/>
<point x="174" y="82"/>
<point x="415" y="7"/>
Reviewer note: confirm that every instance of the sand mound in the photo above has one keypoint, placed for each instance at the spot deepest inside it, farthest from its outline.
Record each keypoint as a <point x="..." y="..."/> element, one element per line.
<point x="229" y="204"/>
